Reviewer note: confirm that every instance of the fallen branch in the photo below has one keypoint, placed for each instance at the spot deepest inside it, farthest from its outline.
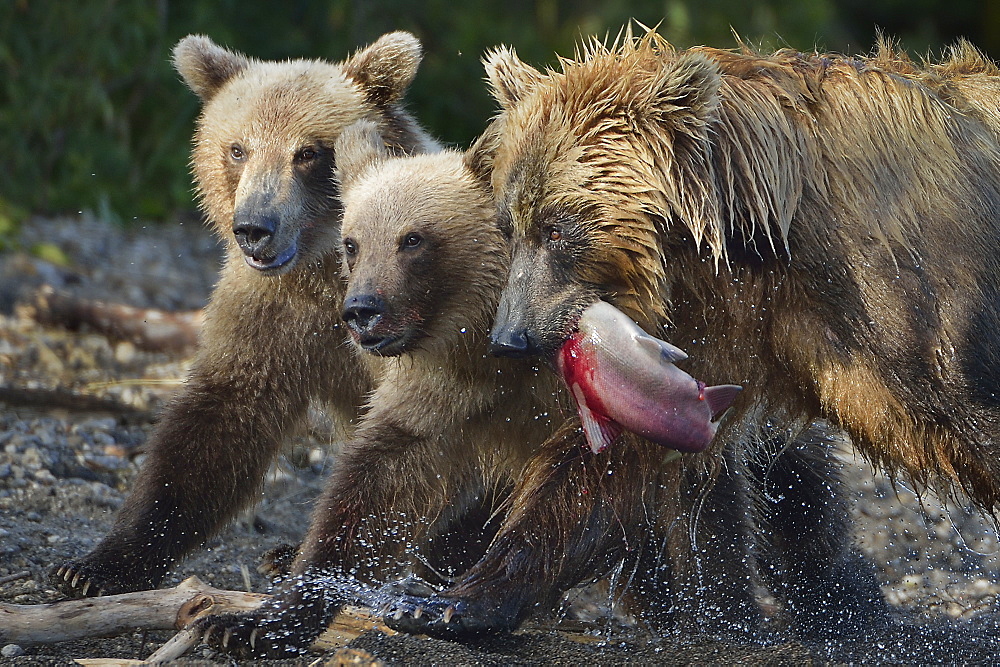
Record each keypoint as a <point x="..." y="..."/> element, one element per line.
<point x="146" y="328"/>
<point x="166" y="609"/>
<point x="67" y="399"/>
<point x="23" y="574"/>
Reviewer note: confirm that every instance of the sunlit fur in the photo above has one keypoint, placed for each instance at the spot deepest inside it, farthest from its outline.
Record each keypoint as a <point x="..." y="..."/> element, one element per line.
<point x="819" y="228"/>
<point x="271" y="343"/>
<point x="449" y="430"/>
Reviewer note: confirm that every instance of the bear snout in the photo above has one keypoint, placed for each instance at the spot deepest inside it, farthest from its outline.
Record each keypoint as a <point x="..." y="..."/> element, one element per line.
<point x="513" y="342"/>
<point x="257" y="236"/>
<point x="362" y="313"/>
<point x="254" y="233"/>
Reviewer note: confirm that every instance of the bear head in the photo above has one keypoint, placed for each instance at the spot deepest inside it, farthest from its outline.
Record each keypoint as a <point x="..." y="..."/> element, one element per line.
<point x="422" y="254"/>
<point x="582" y="165"/>
<point x="263" y="155"/>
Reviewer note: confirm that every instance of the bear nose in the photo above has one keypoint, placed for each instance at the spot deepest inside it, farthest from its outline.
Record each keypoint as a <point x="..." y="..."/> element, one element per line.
<point x="254" y="233"/>
<point x="511" y="342"/>
<point x="363" y="312"/>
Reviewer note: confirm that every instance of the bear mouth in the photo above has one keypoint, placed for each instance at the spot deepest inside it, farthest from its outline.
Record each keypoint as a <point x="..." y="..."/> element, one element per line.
<point x="283" y="260"/>
<point x="389" y="346"/>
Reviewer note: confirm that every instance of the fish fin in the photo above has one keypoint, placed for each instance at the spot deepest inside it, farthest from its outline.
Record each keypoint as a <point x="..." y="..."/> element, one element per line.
<point x="600" y="431"/>
<point x="720" y="397"/>
<point x="661" y="348"/>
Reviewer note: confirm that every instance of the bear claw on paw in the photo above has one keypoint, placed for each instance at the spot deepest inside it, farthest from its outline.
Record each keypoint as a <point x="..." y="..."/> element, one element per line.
<point x="447" y="618"/>
<point x="73" y="582"/>
<point x="246" y="636"/>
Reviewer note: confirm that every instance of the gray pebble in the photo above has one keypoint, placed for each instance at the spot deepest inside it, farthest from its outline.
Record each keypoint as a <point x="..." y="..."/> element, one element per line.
<point x="45" y="477"/>
<point x="11" y="651"/>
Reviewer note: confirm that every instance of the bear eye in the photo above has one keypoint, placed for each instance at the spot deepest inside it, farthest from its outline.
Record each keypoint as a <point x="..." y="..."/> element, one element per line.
<point x="236" y="152"/>
<point x="306" y="154"/>
<point x="412" y="240"/>
<point x="554" y="234"/>
<point x="350" y="247"/>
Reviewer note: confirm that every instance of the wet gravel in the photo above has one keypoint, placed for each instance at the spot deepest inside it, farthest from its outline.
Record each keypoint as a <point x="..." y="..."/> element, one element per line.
<point x="64" y="472"/>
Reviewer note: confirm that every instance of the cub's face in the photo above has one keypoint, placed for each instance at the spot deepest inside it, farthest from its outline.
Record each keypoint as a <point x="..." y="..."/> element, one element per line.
<point x="264" y="164"/>
<point x="393" y="290"/>
<point x="422" y="255"/>
<point x="264" y="148"/>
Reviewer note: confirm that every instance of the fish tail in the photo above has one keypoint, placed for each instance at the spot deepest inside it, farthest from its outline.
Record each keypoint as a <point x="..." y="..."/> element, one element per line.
<point x="720" y="397"/>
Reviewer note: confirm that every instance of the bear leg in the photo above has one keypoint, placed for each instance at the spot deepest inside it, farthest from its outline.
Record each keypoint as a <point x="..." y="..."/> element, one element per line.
<point x="825" y="585"/>
<point x="573" y="517"/>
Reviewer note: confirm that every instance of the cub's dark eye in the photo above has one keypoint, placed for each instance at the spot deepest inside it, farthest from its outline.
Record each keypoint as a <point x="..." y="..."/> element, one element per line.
<point x="236" y="152"/>
<point x="307" y="154"/>
<point x="554" y="234"/>
<point x="412" y="240"/>
<point x="350" y="247"/>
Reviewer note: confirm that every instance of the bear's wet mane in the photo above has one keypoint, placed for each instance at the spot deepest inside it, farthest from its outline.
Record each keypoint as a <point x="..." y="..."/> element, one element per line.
<point x="728" y="142"/>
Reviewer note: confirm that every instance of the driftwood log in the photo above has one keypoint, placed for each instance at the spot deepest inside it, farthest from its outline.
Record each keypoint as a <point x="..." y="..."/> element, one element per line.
<point x="146" y="328"/>
<point x="166" y="609"/>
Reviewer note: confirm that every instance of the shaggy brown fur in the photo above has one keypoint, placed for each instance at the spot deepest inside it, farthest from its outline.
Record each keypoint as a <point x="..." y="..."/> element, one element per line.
<point x="273" y="340"/>
<point x="822" y="230"/>
<point x="448" y="428"/>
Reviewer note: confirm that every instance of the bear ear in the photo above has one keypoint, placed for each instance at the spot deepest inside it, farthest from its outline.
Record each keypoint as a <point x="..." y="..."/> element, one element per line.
<point x="386" y="68"/>
<point x="358" y="147"/>
<point x="479" y="156"/>
<point x="510" y="79"/>
<point x="686" y="89"/>
<point x="205" y="65"/>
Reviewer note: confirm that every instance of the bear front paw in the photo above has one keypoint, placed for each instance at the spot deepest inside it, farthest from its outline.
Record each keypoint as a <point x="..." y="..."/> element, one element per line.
<point x="446" y="618"/>
<point x="276" y="562"/>
<point x="90" y="577"/>
<point x="73" y="580"/>
<point x="246" y="636"/>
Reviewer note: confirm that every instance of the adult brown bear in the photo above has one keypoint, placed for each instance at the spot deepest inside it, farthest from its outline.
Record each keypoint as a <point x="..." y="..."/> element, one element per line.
<point x="273" y="340"/>
<point x="823" y="230"/>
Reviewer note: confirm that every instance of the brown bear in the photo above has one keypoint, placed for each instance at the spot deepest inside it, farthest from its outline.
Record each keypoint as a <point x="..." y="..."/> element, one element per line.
<point x="448" y="429"/>
<point x="273" y="340"/>
<point x="824" y="231"/>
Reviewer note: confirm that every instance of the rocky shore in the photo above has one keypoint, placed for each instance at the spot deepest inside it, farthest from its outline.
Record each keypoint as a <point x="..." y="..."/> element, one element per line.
<point x="66" y="465"/>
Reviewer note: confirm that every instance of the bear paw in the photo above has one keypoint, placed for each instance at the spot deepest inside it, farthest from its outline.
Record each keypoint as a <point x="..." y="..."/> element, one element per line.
<point x="253" y="635"/>
<point x="90" y="577"/>
<point x="276" y="563"/>
<point x="446" y="618"/>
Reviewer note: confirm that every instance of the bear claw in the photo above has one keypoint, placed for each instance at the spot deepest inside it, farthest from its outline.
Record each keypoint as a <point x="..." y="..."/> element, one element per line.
<point x="446" y="618"/>
<point x="76" y="583"/>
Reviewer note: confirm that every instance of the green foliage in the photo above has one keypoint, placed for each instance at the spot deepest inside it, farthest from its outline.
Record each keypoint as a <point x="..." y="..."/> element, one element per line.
<point x="92" y="115"/>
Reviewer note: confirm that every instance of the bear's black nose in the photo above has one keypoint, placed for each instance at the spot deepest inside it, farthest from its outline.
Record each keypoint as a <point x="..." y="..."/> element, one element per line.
<point x="254" y="233"/>
<point x="511" y="342"/>
<point x="363" y="312"/>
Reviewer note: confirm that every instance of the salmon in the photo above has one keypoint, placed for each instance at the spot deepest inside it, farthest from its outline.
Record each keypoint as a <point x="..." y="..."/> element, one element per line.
<point x="623" y="378"/>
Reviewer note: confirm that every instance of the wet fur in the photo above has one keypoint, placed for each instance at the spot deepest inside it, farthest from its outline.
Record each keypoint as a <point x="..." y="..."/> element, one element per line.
<point x="819" y="229"/>
<point x="272" y="343"/>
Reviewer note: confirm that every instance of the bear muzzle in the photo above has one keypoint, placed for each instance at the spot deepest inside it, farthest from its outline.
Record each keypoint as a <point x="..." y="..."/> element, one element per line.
<point x="257" y="237"/>
<point x="367" y="318"/>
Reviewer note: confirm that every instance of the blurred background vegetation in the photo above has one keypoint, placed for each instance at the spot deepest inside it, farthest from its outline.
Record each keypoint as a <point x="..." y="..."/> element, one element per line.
<point x="93" y="117"/>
